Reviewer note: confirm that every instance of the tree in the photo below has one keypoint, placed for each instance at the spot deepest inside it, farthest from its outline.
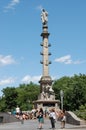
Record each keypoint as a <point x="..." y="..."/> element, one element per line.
<point x="27" y="93"/>
<point x="10" y="98"/>
<point x="2" y="104"/>
<point x="74" y="89"/>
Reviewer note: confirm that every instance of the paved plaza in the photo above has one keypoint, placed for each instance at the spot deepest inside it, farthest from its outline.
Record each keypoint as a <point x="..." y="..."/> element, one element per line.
<point x="33" y="125"/>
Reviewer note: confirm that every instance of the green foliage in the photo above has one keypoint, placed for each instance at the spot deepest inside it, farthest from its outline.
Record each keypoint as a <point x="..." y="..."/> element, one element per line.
<point x="31" y="90"/>
<point x="10" y="96"/>
<point x="74" y="89"/>
<point x="2" y="104"/>
<point x="23" y="96"/>
<point x="81" y="112"/>
<point x="74" y="99"/>
<point x="26" y="95"/>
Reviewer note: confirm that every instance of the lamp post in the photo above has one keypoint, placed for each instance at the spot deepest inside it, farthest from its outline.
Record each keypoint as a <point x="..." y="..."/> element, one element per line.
<point x="61" y="95"/>
<point x="28" y="104"/>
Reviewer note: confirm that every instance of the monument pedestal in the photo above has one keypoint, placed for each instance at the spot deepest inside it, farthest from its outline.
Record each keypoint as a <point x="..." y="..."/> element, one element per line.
<point x="46" y="98"/>
<point x="46" y="104"/>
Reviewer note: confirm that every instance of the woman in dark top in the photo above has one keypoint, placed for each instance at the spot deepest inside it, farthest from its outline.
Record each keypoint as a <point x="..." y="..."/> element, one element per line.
<point x="40" y="118"/>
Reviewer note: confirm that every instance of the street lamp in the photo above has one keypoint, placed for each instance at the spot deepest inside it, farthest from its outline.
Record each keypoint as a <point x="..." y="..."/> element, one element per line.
<point x="28" y="104"/>
<point x="61" y="95"/>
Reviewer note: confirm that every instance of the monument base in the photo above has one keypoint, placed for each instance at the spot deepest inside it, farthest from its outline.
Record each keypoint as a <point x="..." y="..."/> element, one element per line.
<point x="46" y="104"/>
<point x="46" y="98"/>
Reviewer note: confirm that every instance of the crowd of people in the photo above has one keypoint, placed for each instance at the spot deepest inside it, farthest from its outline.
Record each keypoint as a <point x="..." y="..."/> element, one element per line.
<point x="52" y="114"/>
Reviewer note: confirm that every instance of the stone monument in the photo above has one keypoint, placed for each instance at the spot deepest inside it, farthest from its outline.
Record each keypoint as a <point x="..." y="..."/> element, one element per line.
<point x="46" y="99"/>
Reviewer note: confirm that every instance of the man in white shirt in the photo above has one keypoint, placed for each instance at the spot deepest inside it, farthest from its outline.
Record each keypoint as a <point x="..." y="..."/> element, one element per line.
<point x="52" y="117"/>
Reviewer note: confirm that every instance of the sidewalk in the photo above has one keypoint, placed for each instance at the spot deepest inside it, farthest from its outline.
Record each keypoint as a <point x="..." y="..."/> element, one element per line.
<point x="80" y="127"/>
<point x="33" y="125"/>
<point x="74" y="128"/>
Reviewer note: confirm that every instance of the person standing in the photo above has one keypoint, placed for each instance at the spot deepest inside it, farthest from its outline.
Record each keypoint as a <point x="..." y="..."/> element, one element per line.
<point x="52" y="117"/>
<point x="40" y="118"/>
<point x="17" y="110"/>
<point x="63" y="119"/>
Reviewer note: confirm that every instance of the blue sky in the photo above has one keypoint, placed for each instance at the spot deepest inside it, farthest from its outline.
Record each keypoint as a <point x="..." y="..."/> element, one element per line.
<point x="20" y="29"/>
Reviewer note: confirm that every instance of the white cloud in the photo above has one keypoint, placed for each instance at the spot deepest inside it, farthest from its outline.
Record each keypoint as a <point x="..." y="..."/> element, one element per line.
<point x="6" y="60"/>
<point x="6" y="81"/>
<point x="34" y="79"/>
<point x="67" y="60"/>
<point x="11" y="5"/>
<point x="79" y="62"/>
<point x="28" y="79"/>
<point x="39" y="7"/>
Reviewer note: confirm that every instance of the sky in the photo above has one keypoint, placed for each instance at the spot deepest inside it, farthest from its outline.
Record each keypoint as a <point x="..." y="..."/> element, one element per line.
<point x="20" y="30"/>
